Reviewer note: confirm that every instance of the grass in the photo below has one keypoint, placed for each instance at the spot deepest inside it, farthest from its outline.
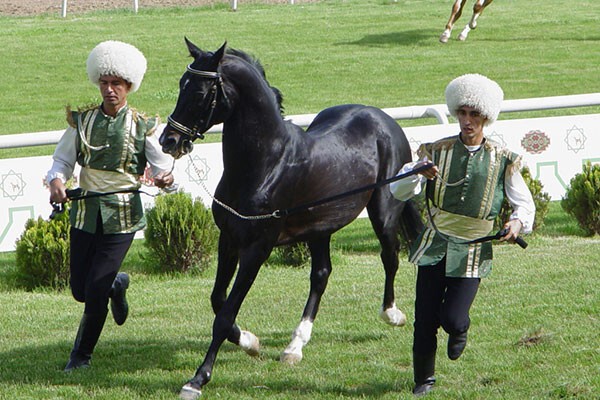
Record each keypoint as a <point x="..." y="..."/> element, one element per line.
<point x="534" y="331"/>
<point x="376" y="52"/>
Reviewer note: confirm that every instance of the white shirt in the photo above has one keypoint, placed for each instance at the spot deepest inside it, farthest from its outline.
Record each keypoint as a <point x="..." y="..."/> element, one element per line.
<point x="517" y="193"/>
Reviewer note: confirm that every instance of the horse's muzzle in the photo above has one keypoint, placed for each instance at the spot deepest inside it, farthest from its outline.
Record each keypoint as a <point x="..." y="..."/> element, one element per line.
<point x="174" y="144"/>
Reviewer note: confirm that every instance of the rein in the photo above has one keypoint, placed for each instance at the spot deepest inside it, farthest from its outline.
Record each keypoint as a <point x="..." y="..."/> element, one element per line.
<point x="502" y="232"/>
<point x="193" y="133"/>
<point x="306" y="206"/>
<point x="76" y="194"/>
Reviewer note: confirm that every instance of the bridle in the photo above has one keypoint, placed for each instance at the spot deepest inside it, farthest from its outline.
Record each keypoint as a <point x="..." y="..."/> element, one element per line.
<point x="196" y="131"/>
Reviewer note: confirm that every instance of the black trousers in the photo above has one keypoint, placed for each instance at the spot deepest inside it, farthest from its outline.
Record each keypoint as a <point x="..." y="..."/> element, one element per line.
<point x="440" y="301"/>
<point x="95" y="260"/>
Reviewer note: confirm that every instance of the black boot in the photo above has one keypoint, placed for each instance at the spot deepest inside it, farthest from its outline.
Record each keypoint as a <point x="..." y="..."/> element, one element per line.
<point x="456" y="345"/>
<point x="89" y="331"/>
<point x="424" y="370"/>
<point x="118" y="302"/>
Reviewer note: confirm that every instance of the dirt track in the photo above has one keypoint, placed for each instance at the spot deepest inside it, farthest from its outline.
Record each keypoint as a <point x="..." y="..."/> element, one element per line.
<point x="35" y="7"/>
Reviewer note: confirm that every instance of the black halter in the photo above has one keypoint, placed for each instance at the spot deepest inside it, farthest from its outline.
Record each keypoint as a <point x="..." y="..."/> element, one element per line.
<point x="195" y="132"/>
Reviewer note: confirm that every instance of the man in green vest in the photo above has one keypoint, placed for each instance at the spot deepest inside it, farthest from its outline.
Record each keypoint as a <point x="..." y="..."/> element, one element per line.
<point x="112" y="143"/>
<point x="469" y="178"/>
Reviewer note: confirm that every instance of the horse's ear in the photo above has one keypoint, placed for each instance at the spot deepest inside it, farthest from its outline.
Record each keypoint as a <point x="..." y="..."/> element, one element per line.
<point x="193" y="49"/>
<point x="219" y="53"/>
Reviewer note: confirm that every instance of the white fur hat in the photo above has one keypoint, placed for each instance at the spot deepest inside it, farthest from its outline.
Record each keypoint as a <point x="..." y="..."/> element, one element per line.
<point x="116" y="59"/>
<point x="477" y="91"/>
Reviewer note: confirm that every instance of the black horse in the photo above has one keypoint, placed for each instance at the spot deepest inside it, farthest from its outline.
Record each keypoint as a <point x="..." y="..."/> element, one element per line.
<point x="271" y="169"/>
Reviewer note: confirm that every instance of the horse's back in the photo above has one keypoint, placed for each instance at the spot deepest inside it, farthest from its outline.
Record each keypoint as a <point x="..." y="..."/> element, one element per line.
<point x="360" y="126"/>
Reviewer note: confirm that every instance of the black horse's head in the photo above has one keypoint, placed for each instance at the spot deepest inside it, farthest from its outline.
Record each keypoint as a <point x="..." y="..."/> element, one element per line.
<point x="202" y="102"/>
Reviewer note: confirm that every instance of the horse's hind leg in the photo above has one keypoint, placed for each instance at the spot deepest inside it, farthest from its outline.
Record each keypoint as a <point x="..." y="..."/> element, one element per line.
<point x="478" y="8"/>
<point x="227" y="263"/>
<point x="385" y="219"/>
<point x="319" y="276"/>
<point x="455" y="14"/>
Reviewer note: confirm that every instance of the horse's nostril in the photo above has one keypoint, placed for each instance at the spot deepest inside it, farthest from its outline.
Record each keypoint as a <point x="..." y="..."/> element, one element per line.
<point x="187" y="146"/>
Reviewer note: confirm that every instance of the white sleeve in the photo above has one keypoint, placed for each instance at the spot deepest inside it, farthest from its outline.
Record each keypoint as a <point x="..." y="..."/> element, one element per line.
<point x="520" y="200"/>
<point x="65" y="156"/>
<point x="158" y="160"/>
<point x="405" y="188"/>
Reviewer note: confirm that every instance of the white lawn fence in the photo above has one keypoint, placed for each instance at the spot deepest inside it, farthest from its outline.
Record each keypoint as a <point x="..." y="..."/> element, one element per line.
<point x="554" y="149"/>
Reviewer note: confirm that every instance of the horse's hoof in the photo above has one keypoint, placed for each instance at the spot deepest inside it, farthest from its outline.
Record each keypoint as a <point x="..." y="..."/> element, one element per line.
<point x="189" y="393"/>
<point x="444" y="37"/>
<point x="393" y="316"/>
<point x="290" y="358"/>
<point x="250" y="343"/>
<point x="462" y="37"/>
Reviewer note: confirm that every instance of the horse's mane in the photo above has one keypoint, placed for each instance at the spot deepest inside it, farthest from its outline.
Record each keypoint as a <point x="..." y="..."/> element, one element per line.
<point x="253" y="61"/>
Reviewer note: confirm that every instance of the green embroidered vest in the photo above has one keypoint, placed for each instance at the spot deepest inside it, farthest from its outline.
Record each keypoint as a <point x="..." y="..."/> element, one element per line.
<point x="111" y="153"/>
<point x="465" y="202"/>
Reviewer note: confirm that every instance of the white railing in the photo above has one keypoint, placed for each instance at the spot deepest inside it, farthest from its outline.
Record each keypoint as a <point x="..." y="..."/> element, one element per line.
<point x="437" y="111"/>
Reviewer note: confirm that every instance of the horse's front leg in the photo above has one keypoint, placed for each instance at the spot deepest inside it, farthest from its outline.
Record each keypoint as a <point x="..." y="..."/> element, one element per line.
<point x="227" y="263"/>
<point x="251" y="260"/>
<point x="319" y="276"/>
<point x="455" y="14"/>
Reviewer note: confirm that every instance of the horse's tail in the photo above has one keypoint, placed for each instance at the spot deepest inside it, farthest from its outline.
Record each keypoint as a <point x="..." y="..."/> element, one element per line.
<point x="411" y="223"/>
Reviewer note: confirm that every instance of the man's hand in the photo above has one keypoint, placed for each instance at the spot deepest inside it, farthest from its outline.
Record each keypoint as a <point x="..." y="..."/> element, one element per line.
<point x="163" y="179"/>
<point x="58" y="192"/>
<point x="513" y="228"/>
<point x="429" y="173"/>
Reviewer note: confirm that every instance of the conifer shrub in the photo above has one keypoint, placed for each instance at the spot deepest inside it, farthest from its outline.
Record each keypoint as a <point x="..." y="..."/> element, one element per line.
<point x="42" y="253"/>
<point x="180" y="233"/>
<point x="582" y="199"/>
<point x="540" y="198"/>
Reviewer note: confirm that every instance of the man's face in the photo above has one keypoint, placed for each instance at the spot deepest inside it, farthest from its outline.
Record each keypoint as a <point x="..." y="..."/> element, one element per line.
<point x="114" y="90"/>
<point x="471" y="125"/>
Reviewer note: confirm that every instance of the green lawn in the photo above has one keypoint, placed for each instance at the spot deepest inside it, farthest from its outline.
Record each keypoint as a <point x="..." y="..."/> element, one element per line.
<point x="535" y="331"/>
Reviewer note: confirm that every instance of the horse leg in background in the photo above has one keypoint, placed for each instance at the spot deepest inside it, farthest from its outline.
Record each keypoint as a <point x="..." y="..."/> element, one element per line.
<point x="251" y="259"/>
<point x="455" y="14"/>
<point x="478" y="8"/>
<point x="384" y="213"/>
<point x="227" y="263"/>
<point x="319" y="276"/>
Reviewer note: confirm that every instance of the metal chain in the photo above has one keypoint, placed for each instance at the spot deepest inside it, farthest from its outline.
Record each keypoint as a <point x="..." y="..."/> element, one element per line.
<point x="225" y="206"/>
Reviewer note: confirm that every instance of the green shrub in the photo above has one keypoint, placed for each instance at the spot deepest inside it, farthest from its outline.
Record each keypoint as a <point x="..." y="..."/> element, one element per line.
<point x="582" y="199"/>
<point x="42" y="253"/>
<point x="540" y="198"/>
<point x="180" y="233"/>
<point x="294" y="255"/>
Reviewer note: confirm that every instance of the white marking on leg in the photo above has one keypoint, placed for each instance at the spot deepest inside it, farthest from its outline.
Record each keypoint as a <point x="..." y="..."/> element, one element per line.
<point x="249" y="343"/>
<point x="189" y="393"/>
<point x="465" y="32"/>
<point x="445" y="36"/>
<point x="473" y="21"/>
<point x="301" y="336"/>
<point x="393" y="316"/>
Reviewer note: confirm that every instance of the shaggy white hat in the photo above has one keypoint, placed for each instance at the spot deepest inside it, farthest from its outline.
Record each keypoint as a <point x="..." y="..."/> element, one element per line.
<point x="477" y="91"/>
<point x="116" y="59"/>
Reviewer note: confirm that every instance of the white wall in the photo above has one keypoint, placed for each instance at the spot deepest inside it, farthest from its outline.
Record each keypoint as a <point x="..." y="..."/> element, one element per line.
<point x="553" y="148"/>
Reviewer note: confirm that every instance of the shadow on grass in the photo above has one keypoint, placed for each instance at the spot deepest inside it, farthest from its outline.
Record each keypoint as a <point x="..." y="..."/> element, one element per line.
<point x="405" y="38"/>
<point x="149" y="367"/>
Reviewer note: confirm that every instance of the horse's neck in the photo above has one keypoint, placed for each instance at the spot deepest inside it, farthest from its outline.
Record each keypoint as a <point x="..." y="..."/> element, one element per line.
<point x="252" y="140"/>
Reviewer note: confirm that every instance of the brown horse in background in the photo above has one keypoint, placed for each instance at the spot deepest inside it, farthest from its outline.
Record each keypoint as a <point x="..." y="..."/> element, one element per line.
<point x="457" y="8"/>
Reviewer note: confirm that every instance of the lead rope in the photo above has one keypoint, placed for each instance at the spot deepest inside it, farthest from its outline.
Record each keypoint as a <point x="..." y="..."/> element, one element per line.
<point x="274" y="214"/>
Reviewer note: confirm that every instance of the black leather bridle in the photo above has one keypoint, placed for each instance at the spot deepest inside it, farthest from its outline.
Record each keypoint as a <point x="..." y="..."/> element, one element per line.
<point x="197" y="131"/>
